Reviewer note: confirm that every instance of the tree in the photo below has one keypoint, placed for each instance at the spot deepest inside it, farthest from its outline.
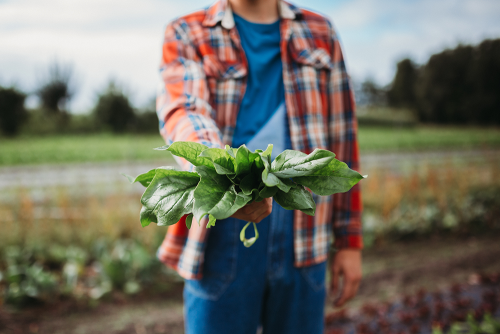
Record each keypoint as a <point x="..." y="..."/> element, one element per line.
<point x="57" y="89"/>
<point x="485" y="74"/>
<point x="12" y="111"/>
<point x="113" y="109"/>
<point x="444" y="88"/>
<point x="372" y="94"/>
<point x="401" y="94"/>
<point x="461" y="85"/>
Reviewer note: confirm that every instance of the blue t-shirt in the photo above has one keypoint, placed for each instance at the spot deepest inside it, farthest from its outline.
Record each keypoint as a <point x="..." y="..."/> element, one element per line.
<point x="265" y="92"/>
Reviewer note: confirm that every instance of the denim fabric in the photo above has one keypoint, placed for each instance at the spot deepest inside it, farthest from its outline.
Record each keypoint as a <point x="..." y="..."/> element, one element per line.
<point x="244" y="288"/>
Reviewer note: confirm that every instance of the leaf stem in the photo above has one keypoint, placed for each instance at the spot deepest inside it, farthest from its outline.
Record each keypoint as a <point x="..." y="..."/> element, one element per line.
<point x="249" y="242"/>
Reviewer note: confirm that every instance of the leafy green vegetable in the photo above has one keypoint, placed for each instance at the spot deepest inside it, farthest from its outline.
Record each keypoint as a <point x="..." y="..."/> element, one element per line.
<point x="169" y="196"/>
<point x="216" y="195"/>
<point x="225" y="180"/>
<point x="294" y="163"/>
<point x="188" y="150"/>
<point x="146" y="178"/>
<point x="296" y="199"/>
<point x="211" y="221"/>
<point x="244" y="160"/>
<point x="334" y="178"/>
<point x="221" y="160"/>
<point x="189" y="221"/>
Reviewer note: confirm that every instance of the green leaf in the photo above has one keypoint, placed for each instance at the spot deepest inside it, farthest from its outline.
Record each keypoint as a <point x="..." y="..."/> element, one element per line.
<point x="221" y="160"/>
<point x="146" y="178"/>
<point x="270" y="179"/>
<point x="147" y="216"/>
<point x="244" y="160"/>
<point x="189" y="220"/>
<point x="169" y="196"/>
<point x="268" y="151"/>
<point x="211" y="221"/>
<point x="268" y="192"/>
<point x="231" y="151"/>
<point x="297" y="198"/>
<point x="249" y="183"/>
<point x="162" y="148"/>
<point x="190" y="151"/>
<point x="290" y="163"/>
<point x="216" y="195"/>
<point x="249" y="242"/>
<point x="336" y="177"/>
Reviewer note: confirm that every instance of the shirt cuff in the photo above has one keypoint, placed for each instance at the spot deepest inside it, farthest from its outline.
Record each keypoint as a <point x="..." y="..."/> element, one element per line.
<point x="349" y="241"/>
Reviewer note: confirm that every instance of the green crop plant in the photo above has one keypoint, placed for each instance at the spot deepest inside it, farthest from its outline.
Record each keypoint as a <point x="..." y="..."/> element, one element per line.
<point x="225" y="180"/>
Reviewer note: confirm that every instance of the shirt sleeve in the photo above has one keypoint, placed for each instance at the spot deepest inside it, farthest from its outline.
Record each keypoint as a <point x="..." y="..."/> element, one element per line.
<point x="182" y="103"/>
<point x="343" y="128"/>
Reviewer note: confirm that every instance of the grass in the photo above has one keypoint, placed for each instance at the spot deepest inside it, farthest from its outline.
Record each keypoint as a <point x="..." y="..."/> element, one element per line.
<point x="79" y="148"/>
<point x="105" y="147"/>
<point x="426" y="138"/>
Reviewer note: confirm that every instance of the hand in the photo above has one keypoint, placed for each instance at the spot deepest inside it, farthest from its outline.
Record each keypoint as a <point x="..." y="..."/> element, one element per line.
<point x="255" y="211"/>
<point x="346" y="263"/>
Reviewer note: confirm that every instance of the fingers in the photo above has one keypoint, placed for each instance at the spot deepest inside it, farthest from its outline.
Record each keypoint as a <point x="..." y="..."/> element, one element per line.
<point x="334" y="284"/>
<point x="349" y="290"/>
<point x="260" y="210"/>
<point x="346" y="263"/>
<point x="255" y="211"/>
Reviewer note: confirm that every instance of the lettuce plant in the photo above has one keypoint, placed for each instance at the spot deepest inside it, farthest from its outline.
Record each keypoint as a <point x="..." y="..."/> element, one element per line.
<point x="225" y="180"/>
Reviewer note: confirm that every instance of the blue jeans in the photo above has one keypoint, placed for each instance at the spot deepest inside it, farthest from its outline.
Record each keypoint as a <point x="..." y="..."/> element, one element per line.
<point x="245" y="288"/>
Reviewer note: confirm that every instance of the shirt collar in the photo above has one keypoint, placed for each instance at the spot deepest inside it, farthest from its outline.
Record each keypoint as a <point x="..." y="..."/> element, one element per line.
<point x="221" y="12"/>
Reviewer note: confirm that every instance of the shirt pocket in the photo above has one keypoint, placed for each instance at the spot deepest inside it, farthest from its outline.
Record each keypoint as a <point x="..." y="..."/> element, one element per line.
<point x="311" y="73"/>
<point x="219" y="70"/>
<point x="316" y="58"/>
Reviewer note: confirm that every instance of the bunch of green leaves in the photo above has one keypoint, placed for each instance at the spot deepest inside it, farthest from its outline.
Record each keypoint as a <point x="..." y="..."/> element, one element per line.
<point x="225" y="180"/>
<point x="26" y="281"/>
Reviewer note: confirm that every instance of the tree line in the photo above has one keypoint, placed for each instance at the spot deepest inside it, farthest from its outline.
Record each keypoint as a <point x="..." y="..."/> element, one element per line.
<point x="455" y="86"/>
<point x="112" y="111"/>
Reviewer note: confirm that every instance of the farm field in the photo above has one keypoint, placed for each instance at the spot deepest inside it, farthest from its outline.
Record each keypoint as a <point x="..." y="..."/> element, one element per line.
<point x="392" y="271"/>
<point x="103" y="148"/>
<point x="89" y="148"/>
<point x="74" y="258"/>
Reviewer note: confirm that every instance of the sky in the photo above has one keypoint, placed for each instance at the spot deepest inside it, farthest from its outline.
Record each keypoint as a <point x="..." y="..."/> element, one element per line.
<point x="121" y="39"/>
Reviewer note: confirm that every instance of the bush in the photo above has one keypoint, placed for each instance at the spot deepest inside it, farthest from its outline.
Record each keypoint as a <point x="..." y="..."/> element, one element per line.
<point x="12" y="111"/>
<point x="402" y="91"/>
<point x="113" y="110"/>
<point x="56" y="91"/>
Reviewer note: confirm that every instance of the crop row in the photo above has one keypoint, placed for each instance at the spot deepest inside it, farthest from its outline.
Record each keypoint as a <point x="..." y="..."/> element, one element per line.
<point x="34" y="276"/>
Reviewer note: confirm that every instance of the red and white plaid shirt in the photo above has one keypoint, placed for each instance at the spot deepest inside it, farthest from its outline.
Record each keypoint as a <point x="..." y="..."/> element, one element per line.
<point x="204" y="74"/>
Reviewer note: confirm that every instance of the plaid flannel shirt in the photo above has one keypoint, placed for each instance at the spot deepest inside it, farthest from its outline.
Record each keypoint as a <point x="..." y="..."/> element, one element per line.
<point x="203" y="70"/>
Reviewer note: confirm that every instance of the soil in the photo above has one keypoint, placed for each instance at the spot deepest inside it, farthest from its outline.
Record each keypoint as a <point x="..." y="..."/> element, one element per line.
<point x="390" y="272"/>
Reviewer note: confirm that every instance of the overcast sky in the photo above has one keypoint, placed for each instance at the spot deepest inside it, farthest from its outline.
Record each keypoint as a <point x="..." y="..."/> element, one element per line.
<point x="121" y="39"/>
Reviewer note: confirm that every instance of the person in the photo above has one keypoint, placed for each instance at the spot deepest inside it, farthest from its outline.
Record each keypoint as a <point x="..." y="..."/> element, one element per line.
<point x="256" y="72"/>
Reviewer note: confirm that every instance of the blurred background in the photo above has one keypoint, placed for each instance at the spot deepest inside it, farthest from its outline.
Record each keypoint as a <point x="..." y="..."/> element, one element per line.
<point x="77" y="88"/>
